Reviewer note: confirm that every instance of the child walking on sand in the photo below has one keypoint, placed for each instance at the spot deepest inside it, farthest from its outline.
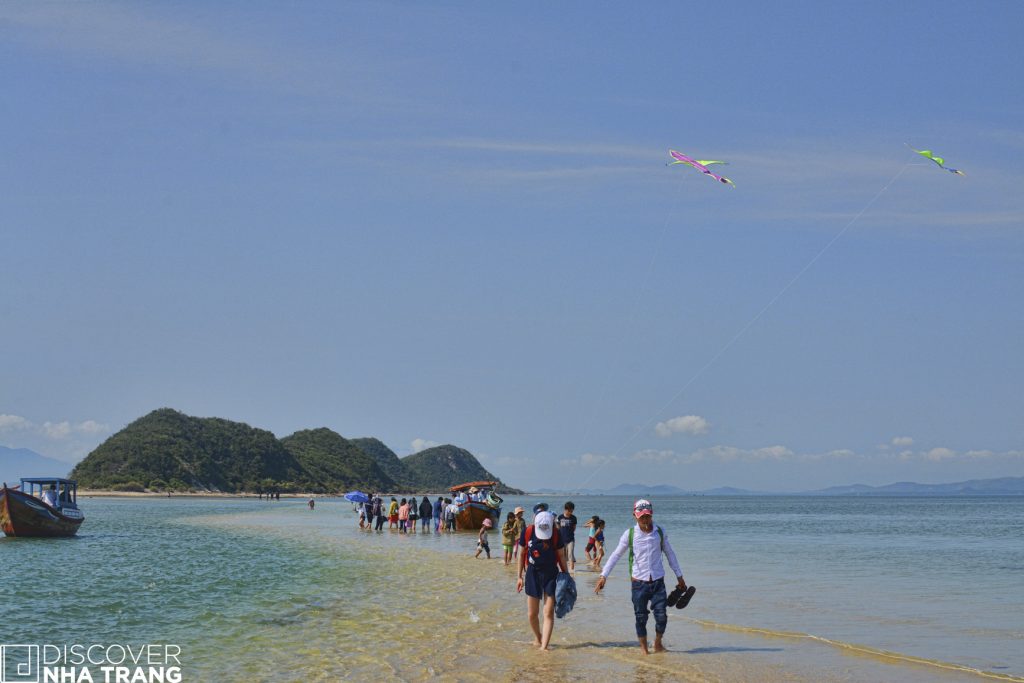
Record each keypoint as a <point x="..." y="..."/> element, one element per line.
<point x="599" y="543"/>
<point x="508" y="537"/>
<point x="591" y="547"/>
<point x="481" y="541"/>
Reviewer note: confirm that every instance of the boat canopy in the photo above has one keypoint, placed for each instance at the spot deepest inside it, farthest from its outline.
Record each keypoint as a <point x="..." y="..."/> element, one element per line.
<point x="49" y="480"/>
<point x="67" y="489"/>
<point x="471" y="484"/>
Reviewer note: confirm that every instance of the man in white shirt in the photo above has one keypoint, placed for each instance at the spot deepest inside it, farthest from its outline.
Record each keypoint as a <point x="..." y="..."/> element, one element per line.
<point x="453" y="513"/>
<point x="645" y="544"/>
<point x="50" y="496"/>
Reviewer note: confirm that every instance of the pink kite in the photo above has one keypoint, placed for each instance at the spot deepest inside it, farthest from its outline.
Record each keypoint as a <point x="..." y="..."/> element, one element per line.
<point x="701" y="166"/>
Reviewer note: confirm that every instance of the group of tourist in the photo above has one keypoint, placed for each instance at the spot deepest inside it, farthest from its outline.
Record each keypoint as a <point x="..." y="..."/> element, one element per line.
<point x="544" y="554"/>
<point x="408" y="515"/>
<point x="548" y="549"/>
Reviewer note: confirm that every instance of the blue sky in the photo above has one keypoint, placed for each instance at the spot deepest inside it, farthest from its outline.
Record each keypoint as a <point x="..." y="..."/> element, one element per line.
<point x="453" y="223"/>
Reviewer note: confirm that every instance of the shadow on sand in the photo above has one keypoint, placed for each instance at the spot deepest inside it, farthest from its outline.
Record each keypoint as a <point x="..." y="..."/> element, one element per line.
<point x="729" y="648"/>
<point x="694" y="651"/>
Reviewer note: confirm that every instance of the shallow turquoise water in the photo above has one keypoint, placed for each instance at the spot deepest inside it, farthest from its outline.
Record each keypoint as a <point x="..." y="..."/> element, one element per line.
<point x="271" y="591"/>
<point x="938" y="578"/>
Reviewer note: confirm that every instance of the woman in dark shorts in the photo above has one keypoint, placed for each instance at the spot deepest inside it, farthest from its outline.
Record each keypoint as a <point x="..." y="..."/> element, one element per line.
<point x="541" y="560"/>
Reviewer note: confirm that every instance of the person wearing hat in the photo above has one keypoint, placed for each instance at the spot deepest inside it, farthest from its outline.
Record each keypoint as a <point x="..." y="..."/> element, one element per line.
<point x="541" y="561"/>
<point x="481" y="539"/>
<point x="646" y="543"/>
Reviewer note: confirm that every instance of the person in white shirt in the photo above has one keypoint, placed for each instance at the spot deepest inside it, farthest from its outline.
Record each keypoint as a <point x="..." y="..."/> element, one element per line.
<point x="646" y="543"/>
<point x="453" y="513"/>
<point x="50" y="496"/>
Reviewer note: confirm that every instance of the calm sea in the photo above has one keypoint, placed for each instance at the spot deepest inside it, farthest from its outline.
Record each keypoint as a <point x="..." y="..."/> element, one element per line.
<point x="843" y="589"/>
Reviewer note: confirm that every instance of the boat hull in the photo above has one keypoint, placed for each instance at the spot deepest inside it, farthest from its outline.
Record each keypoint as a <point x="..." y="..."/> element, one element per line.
<point x="22" y="515"/>
<point x="472" y="515"/>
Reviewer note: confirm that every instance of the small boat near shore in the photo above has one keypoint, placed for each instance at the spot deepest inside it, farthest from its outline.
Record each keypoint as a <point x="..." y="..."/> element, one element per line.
<point x="40" y="506"/>
<point x="478" y="502"/>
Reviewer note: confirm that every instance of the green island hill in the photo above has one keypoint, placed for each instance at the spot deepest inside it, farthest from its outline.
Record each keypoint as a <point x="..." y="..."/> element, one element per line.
<point x="167" y="450"/>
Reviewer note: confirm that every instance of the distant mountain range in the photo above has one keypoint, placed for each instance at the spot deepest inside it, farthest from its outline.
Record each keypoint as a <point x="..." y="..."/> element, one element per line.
<point x="658" y="490"/>
<point x="16" y="463"/>
<point x="167" y="450"/>
<point x="1003" y="486"/>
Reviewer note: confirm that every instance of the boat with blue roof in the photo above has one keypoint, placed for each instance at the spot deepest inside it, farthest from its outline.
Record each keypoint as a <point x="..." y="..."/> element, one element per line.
<point x="40" y="506"/>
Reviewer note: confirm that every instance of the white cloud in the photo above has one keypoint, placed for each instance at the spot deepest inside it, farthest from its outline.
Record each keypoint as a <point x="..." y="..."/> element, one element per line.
<point x="781" y="454"/>
<point x="902" y="441"/>
<point x="529" y="147"/>
<point x="10" y="423"/>
<point x="686" y="424"/>
<point x="422" y="444"/>
<point x="92" y="427"/>
<point x="127" y="32"/>
<point x="772" y="453"/>
<point x="57" y="430"/>
<point x="652" y="455"/>
<point x="723" y="454"/>
<point x="731" y="454"/>
<point x="940" y="454"/>
<point x="150" y="35"/>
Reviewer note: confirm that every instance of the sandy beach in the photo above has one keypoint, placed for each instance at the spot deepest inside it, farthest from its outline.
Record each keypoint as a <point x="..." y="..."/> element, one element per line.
<point x="460" y="618"/>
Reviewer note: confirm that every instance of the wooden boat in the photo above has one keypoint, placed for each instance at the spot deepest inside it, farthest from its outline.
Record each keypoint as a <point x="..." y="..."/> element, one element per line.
<point x="479" y="505"/>
<point x="23" y="512"/>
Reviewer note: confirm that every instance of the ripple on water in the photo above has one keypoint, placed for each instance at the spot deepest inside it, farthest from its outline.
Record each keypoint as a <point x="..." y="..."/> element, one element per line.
<point x="258" y="592"/>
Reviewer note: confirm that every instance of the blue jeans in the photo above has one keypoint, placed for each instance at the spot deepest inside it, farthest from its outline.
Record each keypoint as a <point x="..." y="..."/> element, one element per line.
<point x="653" y="592"/>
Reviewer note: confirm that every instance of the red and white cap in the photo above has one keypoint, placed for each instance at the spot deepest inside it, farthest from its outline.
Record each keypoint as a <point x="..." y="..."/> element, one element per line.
<point x="642" y="507"/>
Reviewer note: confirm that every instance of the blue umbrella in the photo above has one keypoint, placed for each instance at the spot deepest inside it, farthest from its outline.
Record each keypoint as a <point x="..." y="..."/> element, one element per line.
<point x="357" y="497"/>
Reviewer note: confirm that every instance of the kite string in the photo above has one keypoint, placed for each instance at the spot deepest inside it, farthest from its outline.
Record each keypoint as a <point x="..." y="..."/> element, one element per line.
<point x="718" y="354"/>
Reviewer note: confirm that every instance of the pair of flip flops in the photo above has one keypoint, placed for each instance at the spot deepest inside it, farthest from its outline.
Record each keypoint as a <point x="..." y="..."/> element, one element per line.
<point x="680" y="598"/>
